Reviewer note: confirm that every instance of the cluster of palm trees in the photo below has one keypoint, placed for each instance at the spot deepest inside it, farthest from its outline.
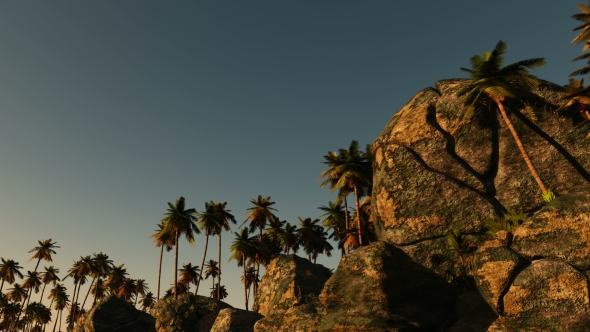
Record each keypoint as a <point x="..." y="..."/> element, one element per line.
<point x="254" y="245"/>
<point x="19" y="313"/>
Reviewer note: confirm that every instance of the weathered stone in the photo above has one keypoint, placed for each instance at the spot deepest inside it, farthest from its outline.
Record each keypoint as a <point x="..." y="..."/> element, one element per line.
<point x="185" y="313"/>
<point x="115" y="315"/>
<point x="475" y="314"/>
<point x="298" y="318"/>
<point x="379" y="288"/>
<point x="288" y="280"/>
<point x="494" y="267"/>
<point x="559" y="231"/>
<point x="548" y="296"/>
<point x="229" y="320"/>
<point x="497" y="326"/>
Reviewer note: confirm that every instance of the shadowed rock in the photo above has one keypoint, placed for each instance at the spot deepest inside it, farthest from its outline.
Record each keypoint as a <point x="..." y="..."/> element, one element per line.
<point x="115" y="315"/>
<point x="229" y="320"/>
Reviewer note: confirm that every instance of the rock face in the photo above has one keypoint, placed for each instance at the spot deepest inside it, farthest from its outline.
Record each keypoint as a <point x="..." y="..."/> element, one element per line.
<point x="299" y="318"/>
<point x="288" y="281"/>
<point x="378" y="288"/>
<point x="537" y="278"/>
<point x="435" y="172"/>
<point x="229" y="320"/>
<point x="115" y="315"/>
<point x="185" y="313"/>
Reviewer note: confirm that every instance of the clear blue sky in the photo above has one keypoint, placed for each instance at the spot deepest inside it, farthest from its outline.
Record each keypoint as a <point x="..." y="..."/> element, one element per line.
<point x="110" y="109"/>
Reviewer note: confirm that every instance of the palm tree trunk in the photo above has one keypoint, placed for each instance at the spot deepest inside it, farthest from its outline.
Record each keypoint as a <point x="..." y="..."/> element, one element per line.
<point x="358" y="215"/>
<point x="176" y="266"/>
<point x="61" y="317"/>
<point x="72" y="306"/>
<point x="245" y="288"/>
<point x="525" y="155"/>
<point x="136" y="297"/>
<point x="160" y="270"/>
<point x="346" y="248"/>
<point x="56" y="319"/>
<point x="1" y="285"/>
<point x="50" y="304"/>
<point x="92" y="283"/>
<point x="219" y="268"/>
<point x="42" y="291"/>
<point x="287" y="251"/>
<point x="203" y="262"/>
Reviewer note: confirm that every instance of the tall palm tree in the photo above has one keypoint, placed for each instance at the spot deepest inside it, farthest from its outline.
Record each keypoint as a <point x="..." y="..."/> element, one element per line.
<point x="224" y="218"/>
<point x="260" y="213"/>
<point x="250" y="279"/>
<point x="43" y="251"/>
<point x="49" y="277"/>
<point x="241" y="248"/>
<point x="189" y="274"/>
<point x="289" y="238"/>
<point x="212" y="270"/>
<point x="179" y="220"/>
<point x="55" y="292"/>
<point x="162" y="240"/>
<point x="208" y="222"/>
<point x="32" y="282"/>
<point x="9" y="269"/>
<point x="496" y="83"/>
<point x="61" y="302"/>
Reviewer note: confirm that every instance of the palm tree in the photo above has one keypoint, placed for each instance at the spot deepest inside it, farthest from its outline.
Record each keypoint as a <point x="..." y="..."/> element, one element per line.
<point x="8" y="270"/>
<point x="17" y="293"/>
<point x="241" y="248"/>
<point x="79" y="271"/>
<point x="208" y="222"/>
<point x="260" y="213"/>
<point x="224" y="217"/>
<point x="98" y="291"/>
<point x="116" y="278"/>
<point x="61" y="302"/>
<point x="99" y="266"/>
<point x="49" y="277"/>
<point x="275" y="228"/>
<point x="289" y="238"/>
<point x="496" y="83"/>
<point x="178" y="221"/>
<point x="335" y="219"/>
<point x="31" y="283"/>
<point x="162" y="240"/>
<point x="43" y="251"/>
<point x="147" y="302"/>
<point x="250" y="279"/>
<point x="582" y="37"/>
<point x="189" y="274"/>
<point x="141" y="288"/>
<point x="212" y="270"/>
<point x="576" y="98"/>
<point x="220" y="291"/>
<point x="308" y="235"/>
<point x="127" y="289"/>
<point x="55" y="292"/>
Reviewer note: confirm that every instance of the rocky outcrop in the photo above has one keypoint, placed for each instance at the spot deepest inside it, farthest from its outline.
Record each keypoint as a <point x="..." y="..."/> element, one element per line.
<point x="437" y="172"/>
<point x="537" y="277"/>
<point x="115" y="315"/>
<point x="288" y="281"/>
<point x="229" y="320"/>
<point x="185" y="313"/>
<point x="379" y="288"/>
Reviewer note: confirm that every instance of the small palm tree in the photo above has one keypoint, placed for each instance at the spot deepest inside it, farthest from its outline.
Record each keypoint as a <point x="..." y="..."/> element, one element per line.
<point x="178" y="221"/>
<point x="98" y="291"/>
<point x="162" y="240"/>
<point x="250" y="279"/>
<point x="496" y="83"/>
<point x="141" y="288"/>
<point x="576" y="98"/>
<point x="289" y="238"/>
<point x="49" y="277"/>
<point x="116" y="278"/>
<point x="17" y="293"/>
<point x="335" y="219"/>
<point x="221" y="292"/>
<point x="224" y="217"/>
<point x="212" y="270"/>
<point x="189" y="274"/>
<point x="98" y="266"/>
<point x="308" y="235"/>
<point x="147" y="301"/>
<point x="9" y="269"/>
<point x="127" y="289"/>
<point x="43" y="251"/>
<point x="260" y="213"/>
<point x="208" y="222"/>
<point x="241" y="248"/>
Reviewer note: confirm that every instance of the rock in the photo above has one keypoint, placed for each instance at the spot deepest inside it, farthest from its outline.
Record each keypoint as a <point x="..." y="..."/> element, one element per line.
<point x="379" y="288"/>
<point x="115" y="315"/>
<point x="299" y="318"/>
<point x="288" y="280"/>
<point x="548" y="295"/>
<point x="229" y="320"/>
<point x="185" y="313"/>
<point x="497" y="327"/>
<point x="494" y="267"/>
<point x="560" y="230"/>
<point x="475" y="314"/>
<point x="436" y="172"/>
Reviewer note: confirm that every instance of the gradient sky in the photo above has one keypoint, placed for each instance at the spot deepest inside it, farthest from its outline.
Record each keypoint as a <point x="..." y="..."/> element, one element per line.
<point x="110" y="109"/>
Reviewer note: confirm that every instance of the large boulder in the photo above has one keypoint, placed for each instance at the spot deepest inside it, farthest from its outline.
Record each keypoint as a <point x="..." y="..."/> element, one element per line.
<point x="298" y="318"/>
<point x="185" y="313"/>
<point x="289" y="280"/>
<point x="229" y="320"/>
<point x="115" y="315"/>
<point x="436" y="172"/>
<point x="537" y="277"/>
<point x="379" y="288"/>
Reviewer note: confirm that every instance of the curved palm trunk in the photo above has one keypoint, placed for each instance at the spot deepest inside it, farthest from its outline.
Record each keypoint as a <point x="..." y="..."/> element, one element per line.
<point x="525" y="155"/>
<point x="160" y="270"/>
<point x="1" y="285"/>
<point x="219" y="269"/>
<point x="56" y="319"/>
<point x="358" y="215"/>
<point x="42" y="291"/>
<point x="346" y="247"/>
<point x="86" y="297"/>
<point x="245" y="283"/>
<point x="257" y="275"/>
<point x="72" y="306"/>
<point x="176" y="267"/>
<point x="202" y="262"/>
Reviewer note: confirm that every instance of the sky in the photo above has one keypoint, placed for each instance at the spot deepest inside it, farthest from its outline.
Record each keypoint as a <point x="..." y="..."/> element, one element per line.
<point x="111" y="109"/>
